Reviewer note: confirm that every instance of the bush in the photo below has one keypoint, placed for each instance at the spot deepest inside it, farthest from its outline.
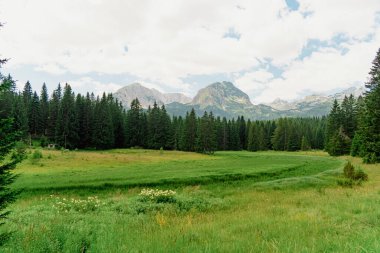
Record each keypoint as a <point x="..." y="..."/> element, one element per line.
<point x="37" y="154"/>
<point x="349" y="170"/>
<point x="370" y="158"/>
<point x="346" y="182"/>
<point x="352" y="176"/>
<point x="360" y="175"/>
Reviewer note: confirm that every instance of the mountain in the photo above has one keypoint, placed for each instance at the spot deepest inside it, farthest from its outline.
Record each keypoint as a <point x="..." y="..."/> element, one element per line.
<point x="226" y="100"/>
<point x="147" y="96"/>
<point x="313" y="105"/>
<point x="222" y="95"/>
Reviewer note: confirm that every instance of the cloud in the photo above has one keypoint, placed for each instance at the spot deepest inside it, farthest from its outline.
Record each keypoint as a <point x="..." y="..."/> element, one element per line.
<point x="85" y="84"/>
<point x="163" y="42"/>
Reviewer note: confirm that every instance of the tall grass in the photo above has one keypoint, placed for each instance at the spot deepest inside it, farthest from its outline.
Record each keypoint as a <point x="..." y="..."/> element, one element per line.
<point x="295" y="212"/>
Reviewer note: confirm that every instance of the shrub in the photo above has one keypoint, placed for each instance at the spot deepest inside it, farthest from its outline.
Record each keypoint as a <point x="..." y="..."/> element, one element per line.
<point x="37" y="154"/>
<point x="352" y="176"/>
<point x="346" y="182"/>
<point x="360" y="175"/>
<point x="349" y="170"/>
<point x="370" y="158"/>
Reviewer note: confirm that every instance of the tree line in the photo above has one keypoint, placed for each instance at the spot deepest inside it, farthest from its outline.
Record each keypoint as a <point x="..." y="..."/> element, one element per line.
<point x="77" y="121"/>
<point x="353" y="126"/>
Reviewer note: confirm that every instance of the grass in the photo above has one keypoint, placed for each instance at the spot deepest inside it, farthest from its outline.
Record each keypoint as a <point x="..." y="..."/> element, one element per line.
<point x="230" y="202"/>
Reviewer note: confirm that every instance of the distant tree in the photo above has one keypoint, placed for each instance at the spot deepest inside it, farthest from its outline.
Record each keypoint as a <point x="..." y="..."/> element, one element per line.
<point x="103" y="134"/>
<point x="67" y="121"/>
<point x="190" y="131"/>
<point x="305" y="144"/>
<point x="233" y="133"/>
<point x="206" y="138"/>
<point x="225" y="135"/>
<point x="44" y="110"/>
<point x="280" y="135"/>
<point x="53" y="123"/>
<point x="242" y="132"/>
<point x="135" y="125"/>
<point x="35" y="115"/>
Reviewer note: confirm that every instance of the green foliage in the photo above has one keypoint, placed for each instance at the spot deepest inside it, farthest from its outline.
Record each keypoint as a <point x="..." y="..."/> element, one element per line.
<point x="90" y="204"/>
<point x="349" y="170"/>
<point x="360" y="175"/>
<point x="37" y="154"/>
<point x="352" y="176"/>
<point x="155" y="200"/>
<point x="10" y="153"/>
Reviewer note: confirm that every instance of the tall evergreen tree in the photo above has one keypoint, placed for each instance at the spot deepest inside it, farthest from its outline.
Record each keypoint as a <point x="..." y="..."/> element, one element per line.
<point x="44" y="109"/>
<point x="67" y="127"/>
<point x="103" y="134"/>
<point x="9" y="156"/>
<point x="35" y="115"/>
<point x="370" y="125"/>
<point x="54" y="107"/>
<point x="190" y="131"/>
<point x="135" y="125"/>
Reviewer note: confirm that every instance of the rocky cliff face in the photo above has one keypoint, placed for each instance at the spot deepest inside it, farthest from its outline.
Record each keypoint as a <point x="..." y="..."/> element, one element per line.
<point x="147" y="96"/>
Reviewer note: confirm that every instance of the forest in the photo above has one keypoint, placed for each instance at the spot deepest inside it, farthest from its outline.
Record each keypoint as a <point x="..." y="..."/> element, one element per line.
<point x="72" y="121"/>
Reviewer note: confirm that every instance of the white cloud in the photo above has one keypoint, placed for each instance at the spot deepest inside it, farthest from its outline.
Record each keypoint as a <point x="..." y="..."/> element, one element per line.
<point x="85" y="84"/>
<point x="170" y="40"/>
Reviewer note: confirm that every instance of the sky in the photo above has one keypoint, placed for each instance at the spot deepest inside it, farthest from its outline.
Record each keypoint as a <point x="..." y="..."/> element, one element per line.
<point x="269" y="49"/>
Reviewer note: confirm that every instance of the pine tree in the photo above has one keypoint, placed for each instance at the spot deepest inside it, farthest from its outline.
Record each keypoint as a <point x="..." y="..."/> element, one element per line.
<point x="27" y="95"/>
<point x="370" y="125"/>
<point x="225" y="135"/>
<point x="334" y="123"/>
<point x="9" y="156"/>
<point x="35" y="115"/>
<point x="44" y="109"/>
<point x="54" y="106"/>
<point x="67" y="124"/>
<point x="242" y="132"/>
<point x="135" y="125"/>
<point x="103" y="134"/>
<point x="280" y="136"/>
<point x="190" y="131"/>
<point x="206" y="138"/>
<point x="305" y="144"/>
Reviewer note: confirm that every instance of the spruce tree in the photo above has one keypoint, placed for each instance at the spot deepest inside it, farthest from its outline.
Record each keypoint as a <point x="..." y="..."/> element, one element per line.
<point x="135" y="126"/>
<point x="190" y="131"/>
<point x="103" y="134"/>
<point x="9" y="156"/>
<point x="35" y="115"/>
<point x="67" y="124"/>
<point x="53" y="123"/>
<point x="44" y="109"/>
<point x="370" y="125"/>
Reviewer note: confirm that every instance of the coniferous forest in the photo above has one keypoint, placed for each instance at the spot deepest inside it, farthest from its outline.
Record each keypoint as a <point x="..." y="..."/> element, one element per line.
<point x="75" y="121"/>
<point x="87" y="122"/>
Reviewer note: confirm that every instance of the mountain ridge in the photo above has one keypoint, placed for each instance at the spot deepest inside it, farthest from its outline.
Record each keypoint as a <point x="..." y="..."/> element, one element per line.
<point x="226" y="100"/>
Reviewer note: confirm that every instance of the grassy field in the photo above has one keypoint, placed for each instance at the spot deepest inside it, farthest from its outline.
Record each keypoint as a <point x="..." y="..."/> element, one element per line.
<point x="80" y="201"/>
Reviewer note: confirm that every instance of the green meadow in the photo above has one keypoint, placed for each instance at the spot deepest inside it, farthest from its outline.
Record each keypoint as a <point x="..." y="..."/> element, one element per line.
<point x="93" y="201"/>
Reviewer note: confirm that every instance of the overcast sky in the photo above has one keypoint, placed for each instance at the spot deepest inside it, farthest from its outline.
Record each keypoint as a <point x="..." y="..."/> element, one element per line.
<point x="269" y="49"/>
